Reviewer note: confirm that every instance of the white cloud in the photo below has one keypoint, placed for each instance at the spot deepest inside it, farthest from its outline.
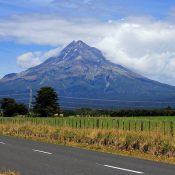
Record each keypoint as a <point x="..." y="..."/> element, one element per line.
<point x="30" y="59"/>
<point x="146" y="47"/>
<point x="141" y="44"/>
<point x="50" y="30"/>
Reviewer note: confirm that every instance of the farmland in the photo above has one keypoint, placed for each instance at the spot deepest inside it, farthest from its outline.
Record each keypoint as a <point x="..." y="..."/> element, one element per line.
<point x="164" y="125"/>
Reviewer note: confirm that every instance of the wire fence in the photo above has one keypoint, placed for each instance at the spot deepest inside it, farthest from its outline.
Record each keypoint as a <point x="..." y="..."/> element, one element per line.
<point x="163" y="127"/>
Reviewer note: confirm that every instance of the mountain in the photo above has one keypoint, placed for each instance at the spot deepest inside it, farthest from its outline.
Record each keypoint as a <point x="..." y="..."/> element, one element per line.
<point x="83" y="77"/>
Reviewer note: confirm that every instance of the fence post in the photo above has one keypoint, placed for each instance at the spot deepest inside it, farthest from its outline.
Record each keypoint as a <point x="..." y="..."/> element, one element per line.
<point x="76" y="124"/>
<point x="84" y="123"/>
<point x="73" y="122"/>
<point x="68" y="122"/>
<point x="112" y="123"/>
<point x="142" y="126"/>
<point x="123" y="125"/>
<point x="129" y="125"/>
<point x="135" y="126"/>
<point x="87" y="122"/>
<point x="171" y="128"/>
<point x="98" y="124"/>
<point x="149" y="126"/>
<point x="118" y="124"/>
<point x="80" y="123"/>
<point x="164" y="128"/>
<point x="92" y="123"/>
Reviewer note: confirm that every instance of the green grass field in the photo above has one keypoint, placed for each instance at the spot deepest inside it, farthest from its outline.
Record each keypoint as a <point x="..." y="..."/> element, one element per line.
<point x="166" y="125"/>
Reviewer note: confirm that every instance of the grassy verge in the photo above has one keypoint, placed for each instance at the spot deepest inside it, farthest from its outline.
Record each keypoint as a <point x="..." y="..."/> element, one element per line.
<point x="165" y="125"/>
<point x="147" y="145"/>
<point x="8" y="173"/>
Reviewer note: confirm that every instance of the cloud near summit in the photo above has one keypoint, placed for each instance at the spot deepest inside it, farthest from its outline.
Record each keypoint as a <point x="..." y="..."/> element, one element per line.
<point x="31" y="59"/>
<point x="141" y="44"/>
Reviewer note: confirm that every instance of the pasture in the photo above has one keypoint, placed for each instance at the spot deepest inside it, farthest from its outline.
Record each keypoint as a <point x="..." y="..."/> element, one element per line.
<point x="165" y="125"/>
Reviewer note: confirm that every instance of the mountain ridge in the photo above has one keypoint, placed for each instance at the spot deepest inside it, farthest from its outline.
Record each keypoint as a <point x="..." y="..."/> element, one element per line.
<point x="83" y="71"/>
<point x="64" y="53"/>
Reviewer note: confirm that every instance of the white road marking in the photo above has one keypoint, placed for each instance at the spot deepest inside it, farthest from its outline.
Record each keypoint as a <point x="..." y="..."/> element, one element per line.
<point x="123" y="169"/>
<point x="44" y="152"/>
<point x="2" y="143"/>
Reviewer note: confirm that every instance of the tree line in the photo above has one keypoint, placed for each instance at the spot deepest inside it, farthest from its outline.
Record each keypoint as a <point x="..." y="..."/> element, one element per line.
<point x="143" y="112"/>
<point x="9" y="107"/>
<point x="121" y="112"/>
<point x="46" y="104"/>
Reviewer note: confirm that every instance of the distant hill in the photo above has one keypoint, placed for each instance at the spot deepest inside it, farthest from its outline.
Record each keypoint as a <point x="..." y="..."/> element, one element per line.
<point x="85" y="78"/>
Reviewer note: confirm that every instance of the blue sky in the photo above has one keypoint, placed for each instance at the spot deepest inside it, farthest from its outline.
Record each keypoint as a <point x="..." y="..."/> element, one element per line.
<point x="138" y="34"/>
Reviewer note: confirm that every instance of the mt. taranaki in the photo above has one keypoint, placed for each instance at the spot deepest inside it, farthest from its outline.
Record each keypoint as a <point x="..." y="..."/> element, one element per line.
<point x="83" y="77"/>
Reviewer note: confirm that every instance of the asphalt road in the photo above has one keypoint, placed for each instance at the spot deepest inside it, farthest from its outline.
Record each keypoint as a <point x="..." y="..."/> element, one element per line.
<point x="35" y="158"/>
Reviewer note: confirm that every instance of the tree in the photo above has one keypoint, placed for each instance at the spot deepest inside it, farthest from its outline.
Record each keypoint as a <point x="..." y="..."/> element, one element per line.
<point x="10" y="108"/>
<point x="46" y="102"/>
<point x="21" y="109"/>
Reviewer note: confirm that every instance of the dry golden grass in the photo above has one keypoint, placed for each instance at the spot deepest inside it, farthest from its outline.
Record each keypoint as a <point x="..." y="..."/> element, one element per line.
<point x="9" y="173"/>
<point x="147" y="145"/>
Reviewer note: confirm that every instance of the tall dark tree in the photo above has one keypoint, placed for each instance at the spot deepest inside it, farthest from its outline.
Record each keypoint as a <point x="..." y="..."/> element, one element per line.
<point x="46" y="102"/>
